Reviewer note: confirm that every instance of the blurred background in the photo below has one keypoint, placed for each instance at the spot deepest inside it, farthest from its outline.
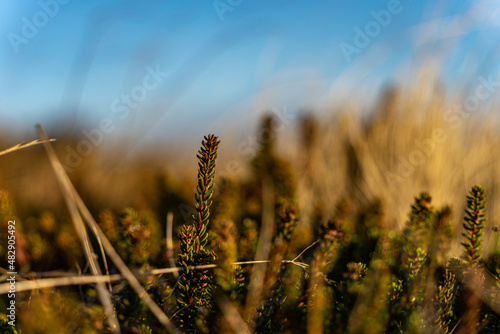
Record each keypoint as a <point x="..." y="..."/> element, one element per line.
<point x="371" y="99"/>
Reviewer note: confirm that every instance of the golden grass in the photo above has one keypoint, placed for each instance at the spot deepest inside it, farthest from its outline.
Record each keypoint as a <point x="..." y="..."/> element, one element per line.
<point x="263" y="248"/>
<point x="351" y="157"/>
<point x="356" y="157"/>
<point x="21" y="146"/>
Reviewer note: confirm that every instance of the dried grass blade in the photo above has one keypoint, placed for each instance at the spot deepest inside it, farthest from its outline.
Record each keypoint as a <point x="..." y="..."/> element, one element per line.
<point x="170" y="243"/>
<point x="231" y="314"/>
<point x="47" y="283"/>
<point x="20" y="146"/>
<point x="263" y="248"/>
<point x="65" y="184"/>
<point x="113" y="255"/>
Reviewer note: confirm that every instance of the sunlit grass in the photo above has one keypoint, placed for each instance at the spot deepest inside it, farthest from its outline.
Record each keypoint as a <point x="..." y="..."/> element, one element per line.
<point x="357" y="230"/>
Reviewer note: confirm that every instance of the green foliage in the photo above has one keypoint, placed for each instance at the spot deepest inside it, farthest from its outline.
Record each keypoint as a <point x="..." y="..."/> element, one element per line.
<point x="267" y="314"/>
<point x="417" y="230"/>
<point x="475" y="217"/>
<point x="445" y="296"/>
<point x="268" y="166"/>
<point x="441" y="237"/>
<point x="330" y="242"/>
<point x="195" y="286"/>
<point x="358" y="274"/>
<point x="138" y="238"/>
<point x="287" y="221"/>
<point x="249" y="239"/>
<point x="224" y="241"/>
<point x="5" y="327"/>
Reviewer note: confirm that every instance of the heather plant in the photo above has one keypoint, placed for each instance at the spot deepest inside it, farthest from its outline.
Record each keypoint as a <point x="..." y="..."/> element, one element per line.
<point x="320" y="288"/>
<point x="224" y="237"/>
<point x="352" y="273"/>
<point x="249" y="239"/>
<point x="195" y="286"/>
<point x="8" y="212"/>
<point x="440" y="243"/>
<point x="267" y="314"/>
<point x="139" y="237"/>
<point x="5" y="327"/>
<point x="224" y="242"/>
<point x="445" y="295"/>
<point x="268" y="166"/>
<point x="474" y="224"/>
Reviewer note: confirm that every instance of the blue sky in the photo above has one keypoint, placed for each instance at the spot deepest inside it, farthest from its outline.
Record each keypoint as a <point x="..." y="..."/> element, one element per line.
<point x="226" y="60"/>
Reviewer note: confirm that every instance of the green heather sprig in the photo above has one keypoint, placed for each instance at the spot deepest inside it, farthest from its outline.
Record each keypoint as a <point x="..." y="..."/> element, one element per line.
<point x="441" y="237"/>
<point x="417" y="229"/>
<point x="195" y="287"/>
<point x="5" y="327"/>
<point x="267" y="314"/>
<point x="445" y="296"/>
<point x="475" y="218"/>
<point x="287" y="221"/>
<point x="331" y="238"/>
<point x="206" y="174"/>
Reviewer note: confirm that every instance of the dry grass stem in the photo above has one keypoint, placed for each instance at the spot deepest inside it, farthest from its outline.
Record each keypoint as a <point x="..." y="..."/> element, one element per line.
<point x="65" y="184"/>
<point x="263" y="248"/>
<point x="21" y="146"/>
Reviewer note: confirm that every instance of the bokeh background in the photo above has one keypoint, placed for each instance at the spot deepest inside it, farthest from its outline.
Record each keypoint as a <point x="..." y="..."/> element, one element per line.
<point x="373" y="99"/>
<point x="326" y="108"/>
